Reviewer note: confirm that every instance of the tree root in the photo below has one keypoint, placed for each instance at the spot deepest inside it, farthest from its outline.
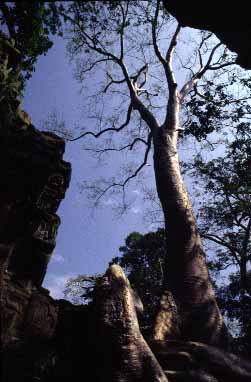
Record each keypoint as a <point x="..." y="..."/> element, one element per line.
<point x="123" y="355"/>
<point x="195" y="358"/>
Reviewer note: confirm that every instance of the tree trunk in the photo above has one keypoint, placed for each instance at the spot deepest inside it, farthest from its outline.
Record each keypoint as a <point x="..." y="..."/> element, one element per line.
<point x="186" y="273"/>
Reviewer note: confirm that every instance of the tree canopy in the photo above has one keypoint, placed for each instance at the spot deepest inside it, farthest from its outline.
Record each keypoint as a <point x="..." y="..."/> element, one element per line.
<point x="31" y="26"/>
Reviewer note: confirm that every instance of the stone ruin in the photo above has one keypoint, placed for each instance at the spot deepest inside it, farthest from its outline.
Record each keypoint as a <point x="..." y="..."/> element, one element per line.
<point x="43" y="339"/>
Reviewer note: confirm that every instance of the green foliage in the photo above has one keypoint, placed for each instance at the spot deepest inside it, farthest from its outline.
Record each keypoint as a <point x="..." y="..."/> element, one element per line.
<point x="227" y="180"/>
<point x="225" y="220"/>
<point x="10" y="82"/>
<point x="31" y="25"/>
<point x="220" y="102"/>
<point x="235" y="304"/>
<point x="222" y="105"/>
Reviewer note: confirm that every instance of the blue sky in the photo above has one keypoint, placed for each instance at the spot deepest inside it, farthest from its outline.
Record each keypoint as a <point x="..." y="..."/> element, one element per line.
<point x="87" y="239"/>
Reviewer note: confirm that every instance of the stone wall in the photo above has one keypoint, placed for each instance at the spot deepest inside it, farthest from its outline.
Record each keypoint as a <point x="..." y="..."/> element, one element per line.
<point x="34" y="179"/>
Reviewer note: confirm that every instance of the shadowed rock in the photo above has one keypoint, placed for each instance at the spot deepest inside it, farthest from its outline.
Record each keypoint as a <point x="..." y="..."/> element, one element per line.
<point x="230" y="23"/>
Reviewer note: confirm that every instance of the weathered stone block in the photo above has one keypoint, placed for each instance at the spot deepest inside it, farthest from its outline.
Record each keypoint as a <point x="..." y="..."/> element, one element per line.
<point x="41" y="318"/>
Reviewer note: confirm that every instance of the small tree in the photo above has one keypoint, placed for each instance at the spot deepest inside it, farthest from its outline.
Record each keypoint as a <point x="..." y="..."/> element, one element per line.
<point x="79" y="290"/>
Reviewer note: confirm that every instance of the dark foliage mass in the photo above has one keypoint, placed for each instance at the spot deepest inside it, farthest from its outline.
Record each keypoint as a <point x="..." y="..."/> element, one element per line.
<point x="142" y="258"/>
<point x="31" y="26"/>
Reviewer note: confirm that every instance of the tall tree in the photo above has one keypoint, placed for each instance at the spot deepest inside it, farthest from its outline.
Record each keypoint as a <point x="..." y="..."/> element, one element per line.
<point x="107" y="45"/>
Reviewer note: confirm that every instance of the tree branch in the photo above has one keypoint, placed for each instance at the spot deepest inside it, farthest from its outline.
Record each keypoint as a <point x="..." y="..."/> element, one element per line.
<point x="124" y="15"/>
<point x="97" y="135"/>
<point x="112" y="81"/>
<point x="136" y="103"/>
<point x="135" y="173"/>
<point x="218" y="240"/>
<point x="222" y="65"/>
<point x="154" y="36"/>
<point x="129" y="146"/>
<point x="94" y="64"/>
<point x="188" y="86"/>
<point x="167" y="61"/>
<point x="246" y="238"/>
<point x="238" y="222"/>
<point x="169" y="55"/>
<point x="145" y="114"/>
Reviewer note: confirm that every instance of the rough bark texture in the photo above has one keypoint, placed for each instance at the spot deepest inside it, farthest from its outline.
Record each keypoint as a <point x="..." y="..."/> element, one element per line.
<point x="186" y="271"/>
<point x="230" y="23"/>
<point x="124" y="352"/>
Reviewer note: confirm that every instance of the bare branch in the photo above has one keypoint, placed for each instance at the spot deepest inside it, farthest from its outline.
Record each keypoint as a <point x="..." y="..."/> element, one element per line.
<point x="94" y="64"/>
<point x="97" y="135"/>
<point x="216" y="67"/>
<point x="134" y="79"/>
<point x="129" y="146"/>
<point x="200" y="58"/>
<point x="145" y="114"/>
<point x="203" y="40"/>
<point x="112" y="81"/>
<point x="129" y="178"/>
<point x="143" y="70"/>
<point x="205" y="68"/>
<point x="154" y="36"/>
<point x="124" y="15"/>
<point x="218" y="240"/>
<point x="167" y="61"/>
<point x="238" y="221"/>
<point x="188" y="86"/>
<point x="149" y="142"/>
<point x="169" y="55"/>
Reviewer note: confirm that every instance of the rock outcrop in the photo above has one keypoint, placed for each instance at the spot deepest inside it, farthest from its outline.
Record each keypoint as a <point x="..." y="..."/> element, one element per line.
<point x="230" y="24"/>
<point x="34" y="178"/>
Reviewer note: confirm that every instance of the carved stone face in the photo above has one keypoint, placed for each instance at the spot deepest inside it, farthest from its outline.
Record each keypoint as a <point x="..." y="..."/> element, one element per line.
<point x="43" y="231"/>
<point x="47" y="229"/>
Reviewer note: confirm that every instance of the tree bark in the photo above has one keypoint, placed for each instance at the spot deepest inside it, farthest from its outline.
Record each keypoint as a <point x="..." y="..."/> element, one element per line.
<point x="194" y="361"/>
<point x="186" y="273"/>
<point x="124" y="355"/>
